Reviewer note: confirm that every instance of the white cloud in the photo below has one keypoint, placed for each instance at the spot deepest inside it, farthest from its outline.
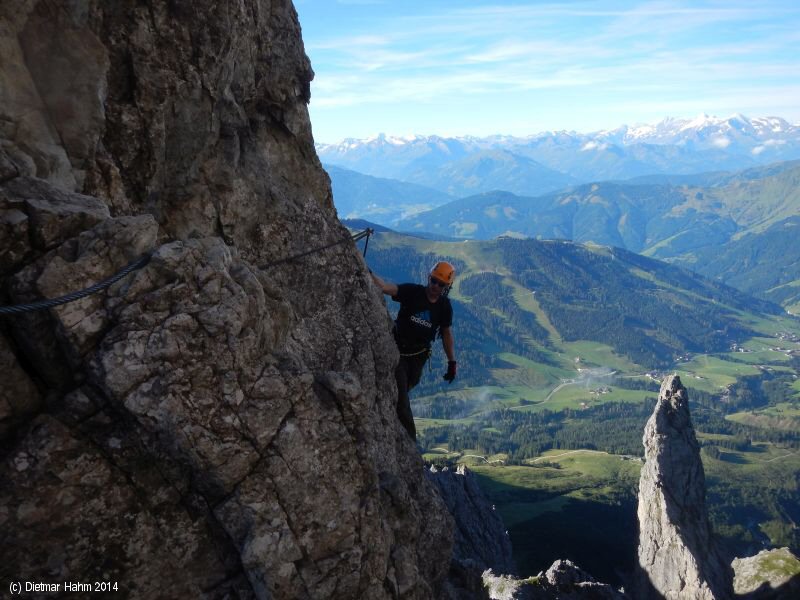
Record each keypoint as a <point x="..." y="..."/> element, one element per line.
<point x="676" y="56"/>
<point x="348" y="43"/>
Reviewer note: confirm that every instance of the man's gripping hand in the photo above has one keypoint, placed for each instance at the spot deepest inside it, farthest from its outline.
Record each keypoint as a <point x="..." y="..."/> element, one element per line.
<point x="451" y="371"/>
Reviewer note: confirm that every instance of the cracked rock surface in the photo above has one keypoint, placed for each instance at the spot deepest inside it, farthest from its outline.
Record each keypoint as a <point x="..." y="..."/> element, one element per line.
<point x="769" y="574"/>
<point x="481" y="541"/>
<point x="208" y="426"/>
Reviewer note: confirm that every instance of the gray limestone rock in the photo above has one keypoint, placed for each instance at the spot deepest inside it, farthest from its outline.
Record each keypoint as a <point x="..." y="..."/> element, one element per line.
<point x="770" y="574"/>
<point x="481" y="541"/>
<point x="37" y="217"/>
<point x="568" y="580"/>
<point x="678" y="554"/>
<point x="19" y="396"/>
<point x="563" y="581"/>
<point x="220" y="423"/>
<point x="73" y="513"/>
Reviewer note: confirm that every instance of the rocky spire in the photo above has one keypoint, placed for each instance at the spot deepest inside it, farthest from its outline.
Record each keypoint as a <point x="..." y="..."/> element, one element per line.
<point x="677" y="551"/>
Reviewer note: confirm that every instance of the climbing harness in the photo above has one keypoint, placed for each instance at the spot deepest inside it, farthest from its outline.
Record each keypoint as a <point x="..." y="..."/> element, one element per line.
<point x="141" y="262"/>
<point x="355" y="237"/>
<point x="428" y="350"/>
<point x="43" y="304"/>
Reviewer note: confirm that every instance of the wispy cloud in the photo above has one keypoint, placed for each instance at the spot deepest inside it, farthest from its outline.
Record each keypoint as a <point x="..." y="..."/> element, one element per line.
<point x="616" y="53"/>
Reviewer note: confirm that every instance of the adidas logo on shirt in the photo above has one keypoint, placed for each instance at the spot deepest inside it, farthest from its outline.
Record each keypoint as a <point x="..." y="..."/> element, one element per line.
<point x="419" y="321"/>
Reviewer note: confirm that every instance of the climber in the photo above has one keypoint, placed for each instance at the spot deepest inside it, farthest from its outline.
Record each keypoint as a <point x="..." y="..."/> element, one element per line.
<point x="424" y="310"/>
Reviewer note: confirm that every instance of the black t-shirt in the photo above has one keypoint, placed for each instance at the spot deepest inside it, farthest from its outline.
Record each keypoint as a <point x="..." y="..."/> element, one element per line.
<point x="419" y="319"/>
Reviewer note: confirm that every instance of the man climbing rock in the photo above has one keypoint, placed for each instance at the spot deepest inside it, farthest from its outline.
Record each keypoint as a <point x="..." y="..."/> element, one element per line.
<point x="424" y="310"/>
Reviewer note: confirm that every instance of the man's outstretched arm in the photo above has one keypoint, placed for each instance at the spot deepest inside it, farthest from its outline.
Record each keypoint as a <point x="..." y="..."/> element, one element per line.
<point x="449" y="349"/>
<point x="388" y="288"/>
<point x="448" y="343"/>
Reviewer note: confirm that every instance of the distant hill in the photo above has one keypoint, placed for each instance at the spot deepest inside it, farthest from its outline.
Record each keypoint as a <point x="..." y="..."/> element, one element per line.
<point x="489" y="170"/>
<point x="702" y="228"/>
<point x="604" y="213"/>
<point x="765" y="264"/>
<point x="714" y="178"/>
<point x="361" y="224"/>
<point x="637" y="215"/>
<point x="379" y="199"/>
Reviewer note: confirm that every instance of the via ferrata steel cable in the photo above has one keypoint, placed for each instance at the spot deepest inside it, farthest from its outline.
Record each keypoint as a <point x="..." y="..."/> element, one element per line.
<point x="141" y="262"/>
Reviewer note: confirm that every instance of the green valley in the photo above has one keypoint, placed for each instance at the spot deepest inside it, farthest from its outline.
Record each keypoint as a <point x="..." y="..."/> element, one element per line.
<point x="561" y="348"/>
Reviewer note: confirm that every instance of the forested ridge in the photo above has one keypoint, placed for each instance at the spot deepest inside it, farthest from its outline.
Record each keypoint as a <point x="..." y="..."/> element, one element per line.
<point x="648" y="311"/>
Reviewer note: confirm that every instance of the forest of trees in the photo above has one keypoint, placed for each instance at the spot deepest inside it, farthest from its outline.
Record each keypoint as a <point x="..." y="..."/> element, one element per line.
<point x="599" y="297"/>
<point x="613" y="427"/>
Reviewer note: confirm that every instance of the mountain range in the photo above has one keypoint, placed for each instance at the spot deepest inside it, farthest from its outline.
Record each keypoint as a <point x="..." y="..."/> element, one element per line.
<point x="464" y="165"/>
<point x="735" y="231"/>
<point x="693" y="192"/>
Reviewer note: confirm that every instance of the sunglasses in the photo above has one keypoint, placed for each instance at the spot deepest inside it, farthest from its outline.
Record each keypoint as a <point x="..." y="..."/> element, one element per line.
<point x="435" y="281"/>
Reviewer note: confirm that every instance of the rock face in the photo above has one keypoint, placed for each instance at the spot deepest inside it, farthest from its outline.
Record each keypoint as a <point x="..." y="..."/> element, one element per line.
<point x="564" y="580"/>
<point x="482" y="566"/>
<point x="205" y="427"/>
<point x="481" y="541"/>
<point x="770" y="574"/>
<point x="677" y="551"/>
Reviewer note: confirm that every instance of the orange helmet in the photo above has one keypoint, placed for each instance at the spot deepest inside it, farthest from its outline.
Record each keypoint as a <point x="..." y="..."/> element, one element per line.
<point x="444" y="271"/>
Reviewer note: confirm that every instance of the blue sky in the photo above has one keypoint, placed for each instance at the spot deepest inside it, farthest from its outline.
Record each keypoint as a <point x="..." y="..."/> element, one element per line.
<point x="453" y="67"/>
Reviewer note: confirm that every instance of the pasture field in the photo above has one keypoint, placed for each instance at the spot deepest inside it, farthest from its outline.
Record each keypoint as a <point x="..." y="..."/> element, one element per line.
<point x="526" y="300"/>
<point x="578" y="396"/>
<point x="547" y="373"/>
<point x="751" y="462"/>
<point x="773" y="325"/>
<point x="784" y="416"/>
<point x="782" y="410"/>
<point x="580" y="474"/>
<point x="422" y="424"/>
<point x="714" y="371"/>
<point x="757" y="357"/>
<point x="600" y="355"/>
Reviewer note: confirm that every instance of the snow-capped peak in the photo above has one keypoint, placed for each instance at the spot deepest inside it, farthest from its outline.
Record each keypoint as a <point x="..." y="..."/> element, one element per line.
<point x="734" y="133"/>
